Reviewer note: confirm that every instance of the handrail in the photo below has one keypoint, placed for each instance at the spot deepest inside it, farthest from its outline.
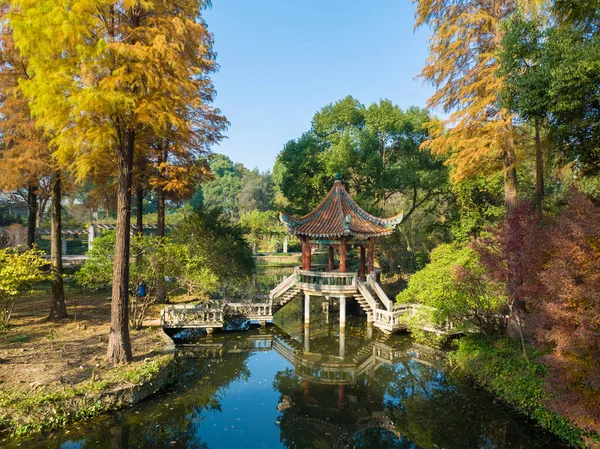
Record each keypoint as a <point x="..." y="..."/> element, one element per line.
<point x="364" y="291"/>
<point x="387" y="302"/>
<point x="283" y="286"/>
<point x="327" y="280"/>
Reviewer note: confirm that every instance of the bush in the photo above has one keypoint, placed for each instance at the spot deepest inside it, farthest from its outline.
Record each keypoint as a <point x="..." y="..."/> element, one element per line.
<point x="19" y="271"/>
<point x="499" y="366"/>
<point x="455" y="287"/>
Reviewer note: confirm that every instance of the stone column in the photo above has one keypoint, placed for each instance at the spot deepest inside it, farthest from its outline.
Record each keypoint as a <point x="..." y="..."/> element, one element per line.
<point x="369" y="329"/>
<point x="306" y="308"/>
<point x="285" y="244"/>
<point x="91" y="237"/>
<point x="342" y="342"/>
<point x="342" y="311"/>
<point x="63" y="240"/>
<point x="306" y="337"/>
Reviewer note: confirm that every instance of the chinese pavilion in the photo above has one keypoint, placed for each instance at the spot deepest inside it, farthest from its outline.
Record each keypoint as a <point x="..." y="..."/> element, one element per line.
<point x="339" y="224"/>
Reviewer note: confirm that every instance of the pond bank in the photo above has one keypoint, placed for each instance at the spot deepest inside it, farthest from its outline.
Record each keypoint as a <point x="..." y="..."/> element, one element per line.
<point x="499" y="367"/>
<point x="55" y="373"/>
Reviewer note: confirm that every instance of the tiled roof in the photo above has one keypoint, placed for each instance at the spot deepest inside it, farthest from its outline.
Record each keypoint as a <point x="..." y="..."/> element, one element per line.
<point x="337" y="215"/>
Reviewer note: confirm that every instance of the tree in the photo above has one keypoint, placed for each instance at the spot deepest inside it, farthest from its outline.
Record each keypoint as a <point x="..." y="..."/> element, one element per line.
<point x="527" y="82"/>
<point x="219" y="245"/>
<point x="27" y="158"/>
<point x="222" y="192"/>
<point x="562" y="292"/>
<point x="104" y="73"/>
<point x="374" y="149"/>
<point x="573" y="53"/>
<point x="19" y="271"/>
<point x="157" y="258"/>
<point x="24" y="155"/>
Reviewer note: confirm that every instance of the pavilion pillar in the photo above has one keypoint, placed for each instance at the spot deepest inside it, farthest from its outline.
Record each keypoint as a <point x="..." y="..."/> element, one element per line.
<point x="343" y="254"/>
<point x="361" y="269"/>
<point x="342" y="312"/>
<point x="371" y="261"/>
<point x="342" y="342"/>
<point x="331" y="258"/>
<point x="306" y="308"/>
<point x="305" y="252"/>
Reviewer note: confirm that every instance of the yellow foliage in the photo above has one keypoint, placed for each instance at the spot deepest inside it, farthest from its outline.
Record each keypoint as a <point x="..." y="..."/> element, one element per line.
<point x="463" y="67"/>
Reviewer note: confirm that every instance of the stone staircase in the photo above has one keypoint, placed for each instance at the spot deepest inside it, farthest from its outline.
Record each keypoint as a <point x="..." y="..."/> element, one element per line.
<point x="286" y="298"/>
<point x="364" y="304"/>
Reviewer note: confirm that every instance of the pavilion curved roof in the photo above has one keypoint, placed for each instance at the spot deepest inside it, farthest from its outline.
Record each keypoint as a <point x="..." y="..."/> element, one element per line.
<point x="339" y="215"/>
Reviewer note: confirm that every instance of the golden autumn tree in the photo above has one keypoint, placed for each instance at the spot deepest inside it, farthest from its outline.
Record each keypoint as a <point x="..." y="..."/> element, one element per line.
<point x="23" y="151"/>
<point x="464" y="67"/>
<point x="25" y="158"/>
<point x="104" y="74"/>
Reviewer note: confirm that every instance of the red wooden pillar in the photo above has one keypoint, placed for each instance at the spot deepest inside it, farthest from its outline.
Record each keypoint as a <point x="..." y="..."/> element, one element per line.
<point x="371" y="263"/>
<point x="331" y="258"/>
<point x="305" y="252"/>
<point x="343" y="254"/>
<point x="340" y="403"/>
<point x="361" y="269"/>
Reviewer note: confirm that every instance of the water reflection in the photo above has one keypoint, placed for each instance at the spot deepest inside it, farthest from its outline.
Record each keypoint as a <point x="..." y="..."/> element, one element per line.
<point x="308" y="388"/>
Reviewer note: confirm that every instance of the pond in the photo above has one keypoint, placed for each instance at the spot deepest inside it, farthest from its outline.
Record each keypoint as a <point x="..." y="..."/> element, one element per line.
<point x="275" y="388"/>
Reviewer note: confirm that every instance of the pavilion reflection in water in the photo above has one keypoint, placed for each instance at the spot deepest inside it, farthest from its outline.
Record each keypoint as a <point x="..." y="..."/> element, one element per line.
<point x="329" y="397"/>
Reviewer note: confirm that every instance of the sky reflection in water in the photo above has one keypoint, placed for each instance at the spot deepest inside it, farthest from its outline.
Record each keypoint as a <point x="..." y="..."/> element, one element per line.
<point x="384" y="393"/>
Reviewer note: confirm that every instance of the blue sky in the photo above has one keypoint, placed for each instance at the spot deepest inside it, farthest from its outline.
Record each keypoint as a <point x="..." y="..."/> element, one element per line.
<point x="283" y="60"/>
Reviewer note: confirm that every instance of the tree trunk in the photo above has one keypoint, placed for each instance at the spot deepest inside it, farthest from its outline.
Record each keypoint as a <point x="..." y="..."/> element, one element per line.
<point x="32" y="207"/>
<point x="160" y="212"/>
<point x="160" y="225"/>
<point x="539" y="169"/>
<point x="139" y="217"/>
<point x="119" y="344"/>
<point x="58" y="308"/>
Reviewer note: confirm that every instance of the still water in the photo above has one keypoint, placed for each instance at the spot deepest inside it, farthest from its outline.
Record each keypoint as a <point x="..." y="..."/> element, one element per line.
<point x="286" y="386"/>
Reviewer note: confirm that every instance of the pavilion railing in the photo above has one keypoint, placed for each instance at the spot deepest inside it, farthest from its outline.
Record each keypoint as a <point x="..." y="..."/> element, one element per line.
<point x="326" y="282"/>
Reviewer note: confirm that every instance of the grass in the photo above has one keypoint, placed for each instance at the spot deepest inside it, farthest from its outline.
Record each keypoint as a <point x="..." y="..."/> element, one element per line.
<point x="19" y="338"/>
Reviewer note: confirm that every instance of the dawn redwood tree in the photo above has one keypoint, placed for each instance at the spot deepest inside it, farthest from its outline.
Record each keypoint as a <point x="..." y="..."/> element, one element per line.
<point x="105" y="73"/>
<point x="463" y="66"/>
<point x="24" y="152"/>
<point x="25" y="159"/>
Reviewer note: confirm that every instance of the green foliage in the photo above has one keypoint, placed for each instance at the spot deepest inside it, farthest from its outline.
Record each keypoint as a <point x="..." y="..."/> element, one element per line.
<point x="375" y="150"/>
<point x="155" y="259"/>
<point x="19" y="271"/>
<point x="261" y="226"/>
<point x="480" y="202"/>
<point x="454" y="287"/>
<point x="19" y="338"/>
<point x="500" y="367"/>
<point x="218" y="244"/>
<point x="235" y="190"/>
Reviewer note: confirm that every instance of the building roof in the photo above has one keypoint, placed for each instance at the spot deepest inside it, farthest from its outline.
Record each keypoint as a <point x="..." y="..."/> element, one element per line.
<point x="339" y="215"/>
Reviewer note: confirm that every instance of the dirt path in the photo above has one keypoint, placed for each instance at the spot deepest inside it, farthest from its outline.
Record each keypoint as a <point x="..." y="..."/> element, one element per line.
<point x="36" y="352"/>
